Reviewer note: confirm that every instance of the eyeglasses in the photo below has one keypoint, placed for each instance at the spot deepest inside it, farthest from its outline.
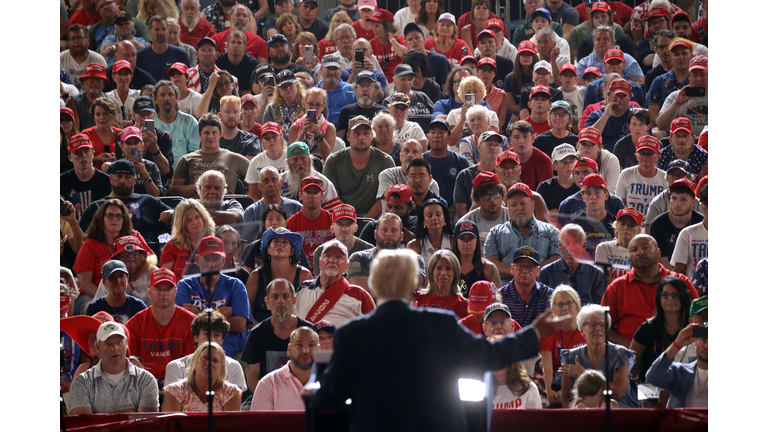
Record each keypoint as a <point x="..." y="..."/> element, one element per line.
<point x="526" y="268"/>
<point x="561" y="305"/>
<point x="498" y="323"/>
<point x="113" y="216"/>
<point x="314" y="105"/>
<point x="344" y="38"/>
<point x="488" y="196"/>
<point x="418" y="177"/>
<point x="78" y="38"/>
<point x="594" y="325"/>
<point x="674" y="295"/>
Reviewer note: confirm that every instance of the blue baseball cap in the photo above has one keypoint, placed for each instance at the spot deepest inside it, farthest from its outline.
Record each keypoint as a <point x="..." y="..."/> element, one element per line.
<point x="541" y="11"/>
<point x="277" y="38"/>
<point x="365" y="75"/>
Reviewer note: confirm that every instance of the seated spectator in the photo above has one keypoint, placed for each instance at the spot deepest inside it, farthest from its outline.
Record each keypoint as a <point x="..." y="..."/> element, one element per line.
<point x="116" y="302"/>
<point x="521" y="77"/>
<point x="191" y="222"/>
<point x="457" y="117"/>
<point x="659" y="43"/>
<point x="249" y="106"/>
<point x="547" y="39"/>
<point x="701" y="277"/>
<point x="687" y="382"/>
<point x="388" y="46"/>
<point x="169" y="121"/>
<point x="273" y="154"/>
<point x="188" y="395"/>
<point x="691" y="246"/>
<point x="524" y="31"/>
<point x="327" y="44"/>
<point x="639" y="122"/>
<point x="467" y="248"/>
<point x="221" y="84"/>
<point x="344" y="227"/>
<point x="234" y="251"/>
<point x="489" y="145"/>
<point x="682" y="29"/>
<point x="615" y="62"/>
<point x="339" y="93"/>
<point x="536" y="165"/>
<point x="666" y="227"/>
<point x="562" y="185"/>
<point x="148" y="178"/>
<point x="435" y="236"/>
<point x="632" y="307"/>
<point x="156" y="58"/>
<point x="103" y="134"/>
<point x="538" y="104"/>
<point x="365" y="105"/>
<point x="682" y="147"/>
<point x="350" y="300"/>
<point x="73" y="354"/>
<point x="211" y="187"/>
<point x="604" y="40"/>
<point x="513" y="388"/>
<point x="398" y="106"/>
<point x="313" y="222"/>
<point x="91" y="393"/>
<point x="560" y="122"/>
<point x="638" y="185"/>
<point x="481" y="295"/>
<point x="447" y="41"/>
<point x="592" y="74"/>
<point x="445" y="164"/>
<point x="77" y="57"/>
<point x="399" y="200"/>
<point x="695" y="108"/>
<point x="564" y="301"/>
<point x="298" y="45"/>
<point x="589" y="387"/>
<point x="125" y="96"/>
<point x="624" y="43"/>
<point x="420" y="103"/>
<point x="82" y="184"/>
<point x="269" y="184"/>
<point x="176" y="370"/>
<point x="523" y="295"/>
<point x="573" y="93"/>
<point x="596" y="222"/>
<point x="488" y="196"/>
<point x="232" y="138"/>
<point x="593" y="14"/>
<point x="613" y="256"/>
<point x="478" y="118"/>
<point x="273" y="217"/>
<point x="500" y="66"/>
<point x="542" y="76"/>
<point x="370" y="64"/>
<point x="677" y="78"/>
<point x="611" y="121"/>
<point x="676" y="170"/>
<point x="699" y="314"/>
<point x="654" y="336"/>
<point x="473" y="22"/>
<point x="195" y="27"/>
<point x="452" y="99"/>
<point x="495" y="96"/>
<point x="253" y="45"/>
<point x="443" y="292"/>
<point x="279" y="389"/>
<point x="570" y="206"/>
<point x="431" y="68"/>
<point x="161" y="333"/>
<point x="71" y="237"/>
<point x="621" y="360"/>
<point x="87" y="15"/>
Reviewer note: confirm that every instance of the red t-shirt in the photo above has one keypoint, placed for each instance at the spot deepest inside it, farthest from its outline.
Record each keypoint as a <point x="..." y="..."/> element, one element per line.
<point x="315" y="232"/>
<point x="94" y="254"/>
<point x="537" y="169"/>
<point x="178" y="256"/>
<point x="387" y="57"/>
<point x="456" y="303"/>
<point x="455" y="54"/>
<point x="254" y="44"/>
<point x="158" y="345"/>
<point x="81" y="18"/>
<point x="538" y="128"/>
<point x="256" y="129"/>
<point x="466" y="18"/>
<point x="361" y="32"/>
<point x="561" y="340"/>
<point x="201" y="30"/>
<point x="98" y="144"/>
<point x="327" y="47"/>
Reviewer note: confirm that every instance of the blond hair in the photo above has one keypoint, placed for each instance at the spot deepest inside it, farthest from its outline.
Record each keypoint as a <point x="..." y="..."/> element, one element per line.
<point x="393" y="274"/>
<point x="218" y="381"/>
<point x="472" y="81"/>
<point x="338" y="18"/>
<point x="179" y="235"/>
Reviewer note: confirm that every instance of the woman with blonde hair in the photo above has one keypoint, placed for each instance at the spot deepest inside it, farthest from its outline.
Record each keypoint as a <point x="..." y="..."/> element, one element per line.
<point x="513" y="388"/>
<point x="319" y="135"/>
<point x="588" y="391"/>
<point x="327" y="45"/>
<point x="302" y="40"/>
<point x="457" y="118"/>
<point x="191" y="222"/>
<point x="288" y="103"/>
<point x="189" y="395"/>
<point x="443" y="276"/>
<point x="150" y="8"/>
<point x="288" y="26"/>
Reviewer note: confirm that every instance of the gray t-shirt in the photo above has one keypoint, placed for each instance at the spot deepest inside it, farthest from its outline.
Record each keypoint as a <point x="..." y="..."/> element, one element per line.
<point x="484" y="225"/>
<point x="360" y="264"/>
<point x="359" y="245"/>
<point x="420" y="103"/>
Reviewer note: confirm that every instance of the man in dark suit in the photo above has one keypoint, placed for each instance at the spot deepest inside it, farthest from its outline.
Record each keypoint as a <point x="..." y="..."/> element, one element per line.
<point x="400" y="365"/>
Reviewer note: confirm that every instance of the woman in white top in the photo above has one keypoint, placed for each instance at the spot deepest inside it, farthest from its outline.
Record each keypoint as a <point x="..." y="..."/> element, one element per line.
<point x="607" y="163"/>
<point x="434" y="229"/>
<point x="457" y="118"/>
<point x="398" y="108"/>
<point x="407" y="15"/>
<point x="513" y="388"/>
<point x="273" y="147"/>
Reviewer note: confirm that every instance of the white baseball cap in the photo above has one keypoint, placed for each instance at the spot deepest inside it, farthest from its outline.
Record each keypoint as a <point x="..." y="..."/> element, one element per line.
<point x="448" y="16"/>
<point x="562" y="151"/>
<point x="108" y="329"/>
<point x="543" y="64"/>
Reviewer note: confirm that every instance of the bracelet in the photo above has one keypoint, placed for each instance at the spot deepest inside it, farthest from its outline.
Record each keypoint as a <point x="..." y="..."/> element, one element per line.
<point x="674" y="344"/>
<point x="155" y="154"/>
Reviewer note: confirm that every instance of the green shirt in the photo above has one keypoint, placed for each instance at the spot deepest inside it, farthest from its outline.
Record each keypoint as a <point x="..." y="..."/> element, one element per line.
<point x="139" y="30"/>
<point x="525" y="32"/>
<point x="357" y="187"/>
<point x="584" y="29"/>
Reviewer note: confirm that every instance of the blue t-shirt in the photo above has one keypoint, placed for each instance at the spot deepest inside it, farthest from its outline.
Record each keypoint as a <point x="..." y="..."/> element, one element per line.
<point x="439" y="67"/>
<point x="253" y="227"/>
<point x="445" y="170"/>
<point x="229" y="291"/>
<point x="342" y="95"/>
<point x="71" y="355"/>
<point x="158" y="64"/>
<point x="110" y="58"/>
<point x="574" y="204"/>
<point x="615" y="128"/>
<point x="122" y="314"/>
<point x="662" y="86"/>
<point x="380" y="77"/>
<point x="631" y="68"/>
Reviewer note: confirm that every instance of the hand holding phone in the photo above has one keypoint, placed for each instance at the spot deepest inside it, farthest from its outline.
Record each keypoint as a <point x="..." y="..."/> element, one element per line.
<point x="135" y="154"/>
<point x="308" y="53"/>
<point x="312" y="116"/>
<point x="695" y="91"/>
<point x="360" y="56"/>
<point x="63" y="208"/>
<point x="470" y="99"/>
<point x="149" y="125"/>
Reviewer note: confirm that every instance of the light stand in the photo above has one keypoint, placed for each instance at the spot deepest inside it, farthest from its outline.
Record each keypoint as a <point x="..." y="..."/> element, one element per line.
<point x="63" y="408"/>
<point x="209" y="300"/>
<point x="608" y="379"/>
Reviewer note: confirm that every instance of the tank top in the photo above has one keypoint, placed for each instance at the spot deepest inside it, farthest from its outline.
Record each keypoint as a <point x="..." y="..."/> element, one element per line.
<point x="467" y="280"/>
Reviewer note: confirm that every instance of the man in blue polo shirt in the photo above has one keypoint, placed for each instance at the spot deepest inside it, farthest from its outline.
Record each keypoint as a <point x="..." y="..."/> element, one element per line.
<point x="525" y="297"/>
<point x="605" y="40"/>
<point x="339" y="92"/>
<point x="614" y="63"/>
<point x="227" y="294"/>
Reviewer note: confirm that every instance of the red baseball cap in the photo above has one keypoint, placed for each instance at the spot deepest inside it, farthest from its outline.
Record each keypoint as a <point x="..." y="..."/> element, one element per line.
<point x="681" y="13"/>
<point x="569" y="67"/>
<point x="343" y="211"/>
<point x="592" y="135"/>
<point x="494" y="23"/>
<point x="507" y="155"/>
<point x="249" y="98"/>
<point x="127" y="244"/>
<point x="614" y="54"/>
<point x="680" y="123"/>
<point x="526" y="46"/>
<point x="702" y="182"/>
<point x="382" y="15"/>
<point x="593" y="70"/>
<point x="681" y="43"/>
<point x="129" y="132"/>
<point x="698" y="62"/>
<point x="485" y="178"/>
<point x="594" y="180"/>
<point x="486" y="32"/>
<point x="211" y="245"/>
<point x="600" y="6"/>
<point x="399" y="193"/>
<point x="686" y="183"/>
<point x="310" y="181"/>
<point x="95" y="70"/>
<point x="270" y="127"/>
<point x="649" y="142"/>
<point x="621" y="86"/>
<point x="179" y="67"/>
<point x="540" y="89"/>
<point x="162" y="275"/>
<point x="67" y="111"/>
<point x="467" y="58"/>
<point x="586" y="162"/>
<point x="704" y="140"/>
<point x="520" y="187"/>
<point x="122" y="64"/>
<point x="631" y="212"/>
<point x="77" y="142"/>
<point x="487" y="61"/>
<point x="657" y="12"/>
<point x="480" y="297"/>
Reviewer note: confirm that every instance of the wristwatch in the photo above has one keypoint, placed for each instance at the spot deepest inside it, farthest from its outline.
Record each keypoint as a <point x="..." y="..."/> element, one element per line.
<point x="148" y="180"/>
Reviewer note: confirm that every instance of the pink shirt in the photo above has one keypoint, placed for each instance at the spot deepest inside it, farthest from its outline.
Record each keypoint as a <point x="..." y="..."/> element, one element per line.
<point x="278" y="391"/>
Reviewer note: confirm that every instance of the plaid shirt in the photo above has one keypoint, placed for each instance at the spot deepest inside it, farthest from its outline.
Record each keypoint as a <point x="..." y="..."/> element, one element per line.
<point x="503" y="240"/>
<point x="220" y="20"/>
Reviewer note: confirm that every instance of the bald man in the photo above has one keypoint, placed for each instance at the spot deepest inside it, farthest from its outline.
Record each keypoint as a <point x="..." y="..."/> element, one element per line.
<point x="126" y="51"/>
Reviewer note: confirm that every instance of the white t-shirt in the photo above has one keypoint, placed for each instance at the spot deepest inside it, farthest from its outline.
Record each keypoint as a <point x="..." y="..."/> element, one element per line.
<point x="507" y="50"/>
<point x="75" y="69"/>
<point x="262" y="160"/>
<point x="638" y="191"/>
<point x="403" y="17"/>
<point x="576" y="99"/>
<point x="691" y="247"/>
<point x="189" y="103"/>
<point x="613" y="253"/>
<point x="410" y="130"/>
<point x="698" y="395"/>
<point x="127" y="106"/>
<point x="505" y="399"/>
<point x="455" y="114"/>
<point x="610" y="170"/>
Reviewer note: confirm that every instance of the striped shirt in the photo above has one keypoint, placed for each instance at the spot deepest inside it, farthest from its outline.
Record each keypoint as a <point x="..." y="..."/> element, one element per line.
<point x="524" y="312"/>
<point x="199" y="82"/>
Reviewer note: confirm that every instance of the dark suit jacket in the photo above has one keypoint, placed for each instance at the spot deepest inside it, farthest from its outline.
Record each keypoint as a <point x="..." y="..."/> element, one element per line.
<point x="400" y="365"/>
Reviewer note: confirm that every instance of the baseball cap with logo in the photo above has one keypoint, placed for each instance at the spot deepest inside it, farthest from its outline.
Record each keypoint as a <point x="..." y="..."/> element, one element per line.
<point x="593" y="180"/>
<point x="467" y="59"/>
<point x="686" y="183"/>
<point x="366" y="4"/>
<point x="680" y="123"/>
<point x="178" y="67"/>
<point x="486" y="61"/>
<point x="383" y="15"/>
<point x="585" y="162"/>
<point x="657" y="11"/>
<point x="507" y="155"/>
<point x="122" y="64"/>
<point x="122" y="16"/>
<point x="112" y="266"/>
<point x="496" y="306"/>
<point x="127" y="244"/>
<point x="485" y="136"/>
<point x="699" y="186"/>
<point x="543" y="64"/>
<point x="344" y="211"/>
<point x="561" y="104"/>
<point x="324" y="325"/>
<point x="621" y="86"/>
<point x="312" y="181"/>
<point x="334" y="244"/>
<point x="678" y="164"/>
<point x="481" y="296"/>
<point x="526" y="252"/>
<point x="122" y="166"/>
<point x="275" y="38"/>
<point x="485" y="178"/>
<point x="562" y="151"/>
<point x="699" y="305"/>
<point x="614" y="54"/>
<point x="76" y="142"/>
<point x="361" y="120"/>
<point x="295" y="149"/>
<point x="95" y="70"/>
<point x="365" y="75"/>
<point x="540" y="90"/>
<point x="331" y="60"/>
<point x="285" y="76"/>
<point x="526" y="46"/>
<point x="399" y="193"/>
<point x="466" y="227"/>
<point x="593" y="70"/>
<point x="486" y="32"/>
<point x="568" y="67"/>
<point x="162" y="275"/>
<point x="631" y="212"/>
<point x="275" y="128"/>
<point x="143" y="103"/>
<point x="130" y="132"/>
<point x="211" y="245"/>
<point x="591" y="134"/>
<point x="447" y="16"/>
<point x="541" y="12"/>
<point x="698" y="62"/>
<point x="68" y="112"/>
<point x="248" y="98"/>
<point x="400" y="99"/>
<point x="681" y="15"/>
<point x="109" y="329"/>
<point x="206" y="41"/>
<point x="494" y="23"/>
<point x="601" y="6"/>
<point x="260" y="70"/>
<point x="520" y="187"/>
<point x="681" y="43"/>
<point x="649" y="142"/>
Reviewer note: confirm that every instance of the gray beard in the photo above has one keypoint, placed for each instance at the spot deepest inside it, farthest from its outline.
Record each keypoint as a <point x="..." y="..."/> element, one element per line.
<point x="294" y="181"/>
<point x="366" y="102"/>
<point x="282" y="315"/>
<point x="191" y="23"/>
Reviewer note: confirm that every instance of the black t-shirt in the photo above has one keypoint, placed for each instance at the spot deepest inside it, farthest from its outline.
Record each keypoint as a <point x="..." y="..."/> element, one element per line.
<point x="651" y="75"/>
<point x="352" y="110"/>
<point x="596" y="232"/>
<point x="241" y="70"/>
<point x="504" y="67"/>
<point x="432" y="90"/>
<point x="547" y="142"/>
<point x="81" y="194"/>
<point x="656" y="340"/>
<point x="145" y="214"/>
<point x="623" y="40"/>
<point x="139" y="80"/>
<point x="666" y="233"/>
<point x="319" y="28"/>
<point x="244" y="143"/>
<point x="553" y="193"/>
<point x="263" y="347"/>
<point x="625" y="150"/>
<point x="395" y="155"/>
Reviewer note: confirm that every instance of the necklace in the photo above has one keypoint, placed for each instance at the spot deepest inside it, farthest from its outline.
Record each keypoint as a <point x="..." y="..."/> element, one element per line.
<point x="570" y="341"/>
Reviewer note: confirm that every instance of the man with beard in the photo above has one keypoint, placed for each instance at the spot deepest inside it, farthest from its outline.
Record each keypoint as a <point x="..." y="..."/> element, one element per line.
<point x="681" y="51"/>
<point x="181" y="126"/>
<point x="145" y="210"/>
<point x="194" y="26"/>
<point x="665" y="228"/>
<point x="210" y="188"/>
<point x="210" y="156"/>
<point x="300" y="167"/>
<point x="265" y="349"/>
<point x="370" y="64"/>
<point x="280" y="58"/>
<point x="695" y="109"/>
<point x="628" y="295"/>
<point x="232" y="138"/>
<point x="340" y="93"/>
<point x="93" y="81"/>
<point x="389" y="235"/>
<point x="279" y="389"/>
<point x="389" y="177"/>
<point x="536" y="166"/>
<point x="309" y="20"/>
<point x="521" y="230"/>
<point x="489" y="147"/>
<point x="126" y="51"/>
<point x="108" y="9"/>
<point x="254" y="45"/>
<point x="123" y="32"/>
<point x="331" y="296"/>
<point x="348" y="6"/>
<point x="206" y="65"/>
<point x="235" y="60"/>
<point x="156" y="59"/>
<point x="344" y="227"/>
<point x="445" y="164"/>
<point x="219" y="14"/>
<point x="488" y="194"/>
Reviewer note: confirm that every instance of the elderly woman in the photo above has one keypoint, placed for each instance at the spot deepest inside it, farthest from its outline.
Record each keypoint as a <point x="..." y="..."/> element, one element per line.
<point x="434" y="229"/>
<point x="287" y="106"/>
<point x="592" y="325"/>
<point x="280" y="250"/>
<point x="327" y="45"/>
<point x="288" y="26"/>
<point x="564" y="301"/>
<point x="479" y="119"/>
<point x="104" y="135"/>
<point x="446" y="42"/>
<point x="383" y="126"/>
<point x="588" y="391"/>
<point x="513" y="388"/>
<point x="639" y="121"/>
<point x="628" y="224"/>
<point x="443" y="275"/>
<point x="140" y="264"/>
<point x="398" y="108"/>
<point x="591" y="145"/>
<point x="466" y="246"/>
<point x="429" y="11"/>
<point x="191" y="222"/>
<point x="189" y="395"/>
<point x="457" y="118"/>
<point x="474" y="21"/>
<point x="319" y="135"/>
<point x="302" y="40"/>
